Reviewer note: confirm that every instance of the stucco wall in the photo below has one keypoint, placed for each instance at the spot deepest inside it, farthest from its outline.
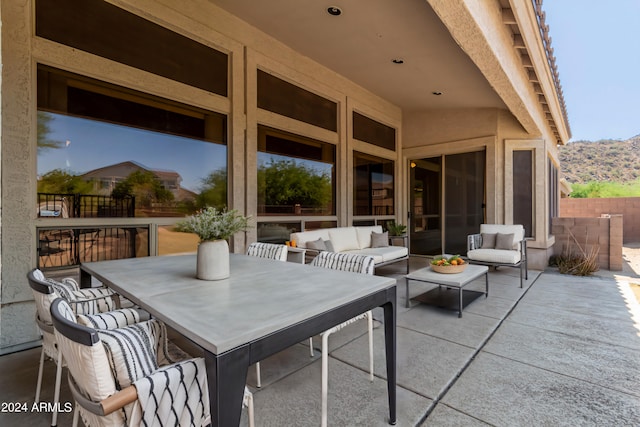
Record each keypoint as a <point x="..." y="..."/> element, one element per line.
<point x="628" y="207"/>
<point x="248" y="49"/>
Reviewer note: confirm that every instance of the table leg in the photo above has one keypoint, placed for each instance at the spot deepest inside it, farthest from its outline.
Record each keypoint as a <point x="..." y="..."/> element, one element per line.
<point x="407" y="284"/>
<point x="85" y="279"/>
<point x="390" y="350"/>
<point x="226" y="377"/>
<point x="460" y="301"/>
<point x="486" y="284"/>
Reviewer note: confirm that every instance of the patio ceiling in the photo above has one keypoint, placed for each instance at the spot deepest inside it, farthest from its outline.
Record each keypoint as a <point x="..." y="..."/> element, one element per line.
<point x="362" y="42"/>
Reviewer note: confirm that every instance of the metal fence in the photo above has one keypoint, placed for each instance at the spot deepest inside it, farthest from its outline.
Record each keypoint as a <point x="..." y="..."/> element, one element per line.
<point x="68" y="247"/>
<point x="85" y="206"/>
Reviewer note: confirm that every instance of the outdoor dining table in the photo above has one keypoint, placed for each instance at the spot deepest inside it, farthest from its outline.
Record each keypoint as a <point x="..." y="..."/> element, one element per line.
<point x="264" y="307"/>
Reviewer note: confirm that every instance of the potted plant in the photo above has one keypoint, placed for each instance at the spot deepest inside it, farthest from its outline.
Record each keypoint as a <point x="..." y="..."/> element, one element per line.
<point x="214" y="228"/>
<point x="396" y="229"/>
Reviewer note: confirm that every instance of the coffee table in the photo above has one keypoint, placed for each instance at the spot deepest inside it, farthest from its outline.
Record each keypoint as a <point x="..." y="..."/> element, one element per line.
<point x="445" y="298"/>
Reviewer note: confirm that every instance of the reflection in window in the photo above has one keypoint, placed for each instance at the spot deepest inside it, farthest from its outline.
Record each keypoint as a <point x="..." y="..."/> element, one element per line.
<point x="100" y="145"/>
<point x="373" y="186"/>
<point x="277" y="232"/>
<point x="296" y="176"/>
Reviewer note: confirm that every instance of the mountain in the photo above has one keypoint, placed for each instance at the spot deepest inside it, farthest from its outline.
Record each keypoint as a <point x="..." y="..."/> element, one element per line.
<point x="604" y="160"/>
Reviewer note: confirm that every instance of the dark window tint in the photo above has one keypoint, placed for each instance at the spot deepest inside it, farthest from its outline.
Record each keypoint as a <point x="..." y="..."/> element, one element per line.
<point x="279" y="96"/>
<point x="100" y="28"/>
<point x="373" y="132"/>
<point x="523" y="190"/>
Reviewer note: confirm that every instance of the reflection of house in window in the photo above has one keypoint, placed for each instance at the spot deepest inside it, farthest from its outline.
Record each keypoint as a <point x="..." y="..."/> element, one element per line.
<point x="107" y="177"/>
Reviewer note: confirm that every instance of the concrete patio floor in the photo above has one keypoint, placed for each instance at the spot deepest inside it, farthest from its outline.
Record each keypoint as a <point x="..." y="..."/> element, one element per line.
<point x="563" y="350"/>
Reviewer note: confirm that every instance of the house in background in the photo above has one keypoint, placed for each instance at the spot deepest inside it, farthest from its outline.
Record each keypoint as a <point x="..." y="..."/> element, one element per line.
<point x="458" y="102"/>
<point x="106" y="178"/>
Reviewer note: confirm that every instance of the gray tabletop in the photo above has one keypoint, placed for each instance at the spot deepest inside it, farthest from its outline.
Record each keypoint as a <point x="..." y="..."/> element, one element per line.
<point x="260" y="297"/>
<point x="459" y="279"/>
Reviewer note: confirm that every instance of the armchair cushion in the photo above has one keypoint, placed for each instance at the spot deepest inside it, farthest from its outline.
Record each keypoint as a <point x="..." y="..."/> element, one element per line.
<point x="173" y="395"/>
<point x="516" y="229"/>
<point x="131" y="352"/>
<point x="495" y="255"/>
<point x="488" y="240"/>
<point x="111" y="319"/>
<point x="504" y="241"/>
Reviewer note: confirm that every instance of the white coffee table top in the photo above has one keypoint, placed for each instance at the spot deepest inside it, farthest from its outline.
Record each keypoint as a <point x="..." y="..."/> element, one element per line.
<point x="470" y="273"/>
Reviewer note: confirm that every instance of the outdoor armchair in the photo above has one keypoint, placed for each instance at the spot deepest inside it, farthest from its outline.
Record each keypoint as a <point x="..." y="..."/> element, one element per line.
<point x="499" y="245"/>
<point x="97" y="306"/>
<point x="127" y="376"/>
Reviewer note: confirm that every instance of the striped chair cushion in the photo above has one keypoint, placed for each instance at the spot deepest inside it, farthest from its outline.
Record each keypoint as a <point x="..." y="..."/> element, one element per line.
<point x="110" y="320"/>
<point x="267" y="250"/>
<point x="345" y="262"/>
<point x="131" y="351"/>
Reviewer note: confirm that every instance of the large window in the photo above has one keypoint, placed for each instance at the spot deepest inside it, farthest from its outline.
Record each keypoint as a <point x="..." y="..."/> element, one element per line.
<point x="106" y="151"/>
<point x="523" y="190"/>
<point x="373" y="185"/>
<point x="296" y="175"/>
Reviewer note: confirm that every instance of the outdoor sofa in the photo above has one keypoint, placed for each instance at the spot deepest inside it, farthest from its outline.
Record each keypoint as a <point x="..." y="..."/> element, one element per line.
<point x="365" y="240"/>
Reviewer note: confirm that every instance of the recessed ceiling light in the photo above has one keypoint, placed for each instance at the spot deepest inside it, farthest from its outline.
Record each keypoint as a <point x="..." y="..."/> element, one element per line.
<point x="436" y="93"/>
<point x="397" y="61"/>
<point x="334" y="11"/>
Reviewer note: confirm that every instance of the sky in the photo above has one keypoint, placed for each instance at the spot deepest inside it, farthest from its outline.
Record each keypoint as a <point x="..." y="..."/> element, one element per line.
<point x="92" y="144"/>
<point x="597" y="48"/>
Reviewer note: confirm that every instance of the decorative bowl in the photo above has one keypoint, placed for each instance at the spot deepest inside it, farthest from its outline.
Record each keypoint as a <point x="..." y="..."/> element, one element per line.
<point x="449" y="269"/>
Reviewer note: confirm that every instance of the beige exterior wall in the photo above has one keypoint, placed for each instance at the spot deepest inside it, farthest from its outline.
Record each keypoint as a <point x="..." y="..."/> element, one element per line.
<point x="476" y="27"/>
<point x="248" y="50"/>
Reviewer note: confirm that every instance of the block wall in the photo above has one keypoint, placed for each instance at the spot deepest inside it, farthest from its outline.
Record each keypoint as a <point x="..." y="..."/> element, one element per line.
<point x="586" y="234"/>
<point x="628" y="207"/>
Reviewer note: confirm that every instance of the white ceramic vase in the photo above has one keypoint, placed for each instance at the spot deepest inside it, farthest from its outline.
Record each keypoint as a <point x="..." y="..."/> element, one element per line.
<point x="213" y="260"/>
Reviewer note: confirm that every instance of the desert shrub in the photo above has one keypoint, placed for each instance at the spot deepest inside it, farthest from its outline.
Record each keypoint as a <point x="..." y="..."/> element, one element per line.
<point x="583" y="263"/>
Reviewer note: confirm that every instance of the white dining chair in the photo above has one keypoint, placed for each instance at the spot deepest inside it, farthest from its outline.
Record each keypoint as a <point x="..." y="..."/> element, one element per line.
<point x="268" y="251"/>
<point x="363" y="264"/>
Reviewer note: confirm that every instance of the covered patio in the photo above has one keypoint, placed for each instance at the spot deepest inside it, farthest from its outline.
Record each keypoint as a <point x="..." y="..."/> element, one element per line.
<point x="560" y="351"/>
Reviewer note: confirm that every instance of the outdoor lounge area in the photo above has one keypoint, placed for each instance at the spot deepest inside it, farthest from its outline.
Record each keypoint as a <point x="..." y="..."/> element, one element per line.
<point x="562" y="350"/>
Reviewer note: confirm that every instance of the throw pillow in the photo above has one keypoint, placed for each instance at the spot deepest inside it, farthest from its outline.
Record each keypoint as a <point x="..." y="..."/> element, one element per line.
<point x="379" y="240"/>
<point x="131" y="352"/>
<point x="329" y="246"/>
<point x="504" y="241"/>
<point x="318" y="245"/>
<point x="488" y="240"/>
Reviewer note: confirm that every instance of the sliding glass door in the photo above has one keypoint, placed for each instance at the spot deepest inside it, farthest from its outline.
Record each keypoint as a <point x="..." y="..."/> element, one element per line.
<point x="447" y="202"/>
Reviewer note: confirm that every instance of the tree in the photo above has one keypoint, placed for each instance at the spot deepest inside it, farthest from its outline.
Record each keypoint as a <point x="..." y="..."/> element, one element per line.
<point x="145" y="187"/>
<point x="214" y="191"/>
<point x="44" y="143"/>
<point x="287" y="183"/>
<point x="58" y="181"/>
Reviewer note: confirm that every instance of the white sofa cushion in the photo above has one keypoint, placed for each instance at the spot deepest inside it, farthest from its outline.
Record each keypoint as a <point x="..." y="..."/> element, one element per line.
<point x="382" y="254"/>
<point x="517" y="230"/>
<point x="343" y="239"/>
<point x="303" y="237"/>
<point x="494" y="255"/>
<point x="364" y="235"/>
